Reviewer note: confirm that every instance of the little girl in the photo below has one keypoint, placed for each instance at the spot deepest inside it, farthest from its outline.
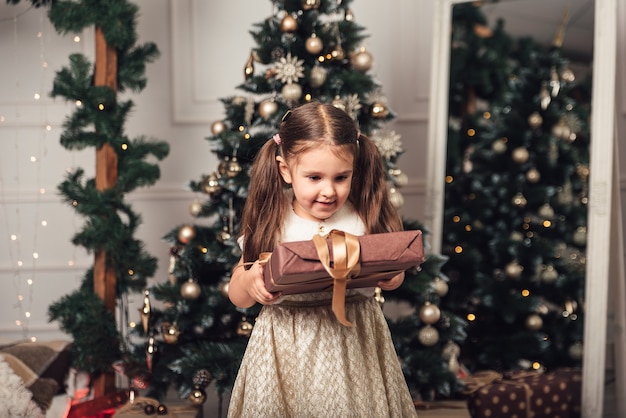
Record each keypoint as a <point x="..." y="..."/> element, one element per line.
<point x="317" y="174"/>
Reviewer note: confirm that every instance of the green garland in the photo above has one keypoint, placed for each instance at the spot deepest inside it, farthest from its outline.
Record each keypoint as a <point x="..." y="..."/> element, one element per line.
<point x="110" y="222"/>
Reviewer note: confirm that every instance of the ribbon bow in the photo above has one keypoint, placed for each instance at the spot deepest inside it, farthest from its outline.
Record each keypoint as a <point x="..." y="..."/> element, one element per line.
<point x="345" y="265"/>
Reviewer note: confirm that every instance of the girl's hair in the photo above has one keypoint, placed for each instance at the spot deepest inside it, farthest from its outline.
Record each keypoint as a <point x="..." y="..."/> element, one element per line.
<point x="312" y="125"/>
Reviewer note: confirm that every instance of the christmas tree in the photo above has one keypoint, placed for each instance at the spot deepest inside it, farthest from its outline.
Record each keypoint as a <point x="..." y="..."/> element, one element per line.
<point x="516" y="197"/>
<point x="122" y="165"/>
<point x="306" y="50"/>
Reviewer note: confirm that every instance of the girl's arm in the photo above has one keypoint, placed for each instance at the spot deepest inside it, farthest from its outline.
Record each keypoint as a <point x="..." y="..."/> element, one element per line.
<point x="393" y="283"/>
<point x="247" y="287"/>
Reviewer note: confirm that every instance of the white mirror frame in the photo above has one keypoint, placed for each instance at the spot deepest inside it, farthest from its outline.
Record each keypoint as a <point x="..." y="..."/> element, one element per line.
<point x="600" y="179"/>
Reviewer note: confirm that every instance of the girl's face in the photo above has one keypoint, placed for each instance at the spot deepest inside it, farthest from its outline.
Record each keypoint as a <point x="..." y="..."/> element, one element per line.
<point x="321" y="181"/>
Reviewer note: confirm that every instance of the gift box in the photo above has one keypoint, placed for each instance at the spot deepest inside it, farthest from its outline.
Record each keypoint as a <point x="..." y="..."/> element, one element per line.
<point x="143" y="406"/>
<point x="534" y="394"/>
<point x="340" y="261"/>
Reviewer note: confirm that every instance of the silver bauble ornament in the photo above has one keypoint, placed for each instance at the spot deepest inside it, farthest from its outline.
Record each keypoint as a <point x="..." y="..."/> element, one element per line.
<point x="429" y="313"/>
<point x="186" y="233"/>
<point x="318" y="76"/>
<point x="428" y="335"/>
<point x="291" y="92"/>
<point x="399" y="178"/>
<point x="534" y="322"/>
<point x="396" y="198"/>
<point x="314" y="44"/>
<point x="217" y="127"/>
<point x="190" y="290"/>
<point x="361" y="60"/>
<point x="268" y="108"/>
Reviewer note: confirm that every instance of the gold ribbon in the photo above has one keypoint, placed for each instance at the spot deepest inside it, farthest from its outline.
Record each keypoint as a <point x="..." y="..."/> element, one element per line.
<point x="346" y="253"/>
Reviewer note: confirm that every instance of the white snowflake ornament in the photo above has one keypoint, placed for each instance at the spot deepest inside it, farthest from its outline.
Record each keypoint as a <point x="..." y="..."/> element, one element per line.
<point x="388" y="143"/>
<point x="289" y="69"/>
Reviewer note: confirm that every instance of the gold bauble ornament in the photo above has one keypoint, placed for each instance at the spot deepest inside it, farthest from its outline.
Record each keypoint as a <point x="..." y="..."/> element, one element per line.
<point x="245" y="328"/>
<point x="428" y="336"/>
<point x="549" y="274"/>
<point x="483" y="31"/>
<point x="535" y="120"/>
<point x="396" y="198"/>
<point x="248" y="70"/>
<point x="499" y="146"/>
<point x="268" y="108"/>
<point x="583" y="171"/>
<point x="546" y="211"/>
<point x="519" y="200"/>
<point x="440" y="286"/>
<point x="317" y="77"/>
<point x="197" y="396"/>
<point x="291" y="92"/>
<point x="224" y="235"/>
<point x="534" y="322"/>
<point x="217" y="127"/>
<point x="289" y="24"/>
<point x="520" y="155"/>
<point x="513" y="270"/>
<point x="310" y="4"/>
<point x="339" y="103"/>
<point x="338" y="53"/>
<point x="186" y="233"/>
<point x="233" y="168"/>
<point x="190" y="290"/>
<point x="195" y="208"/>
<point x="580" y="235"/>
<point x="224" y="288"/>
<point x="533" y="175"/>
<point x="361" y="60"/>
<point x="170" y="332"/>
<point x="211" y="184"/>
<point x="429" y="313"/>
<point x="576" y="351"/>
<point x="561" y="130"/>
<point x="145" y="311"/>
<point x="313" y="44"/>
<point x="379" y="110"/>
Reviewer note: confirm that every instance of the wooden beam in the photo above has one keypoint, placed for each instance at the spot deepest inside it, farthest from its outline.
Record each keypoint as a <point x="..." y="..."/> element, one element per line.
<point x="105" y="279"/>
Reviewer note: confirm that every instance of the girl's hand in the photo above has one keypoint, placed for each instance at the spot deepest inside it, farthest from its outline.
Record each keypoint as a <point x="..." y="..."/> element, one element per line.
<point x="393" y="283"/>
<point x="247" y="287"/>
<point x="257" y="290"/>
